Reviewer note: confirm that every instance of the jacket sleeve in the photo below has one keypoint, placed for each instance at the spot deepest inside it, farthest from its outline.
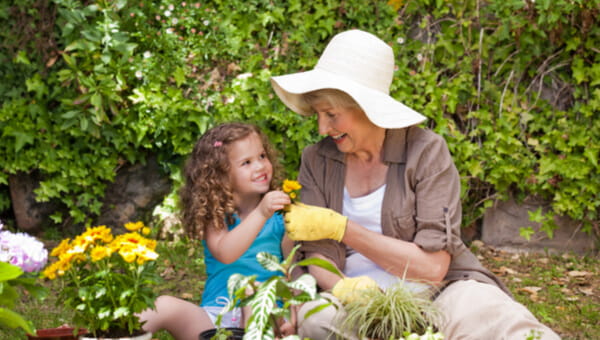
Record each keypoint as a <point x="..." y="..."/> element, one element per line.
<point x="437" y="193"/>
<point x="310" y="176"/>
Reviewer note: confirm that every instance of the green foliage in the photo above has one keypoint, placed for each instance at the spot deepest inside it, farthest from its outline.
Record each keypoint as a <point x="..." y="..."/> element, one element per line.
<point x="391" y="313"/>
<point x="263" y="297"/>
<point x="87" y="87"/>
<point x="12" y="278"/>
<point x="513" y="87"/>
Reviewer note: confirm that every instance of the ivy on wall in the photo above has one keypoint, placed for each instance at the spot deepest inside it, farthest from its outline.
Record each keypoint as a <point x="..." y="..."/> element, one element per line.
<point x="86" y="87"/>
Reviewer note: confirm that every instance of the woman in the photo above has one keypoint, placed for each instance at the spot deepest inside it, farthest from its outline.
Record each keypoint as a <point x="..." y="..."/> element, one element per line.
<point x="382" y="197"/>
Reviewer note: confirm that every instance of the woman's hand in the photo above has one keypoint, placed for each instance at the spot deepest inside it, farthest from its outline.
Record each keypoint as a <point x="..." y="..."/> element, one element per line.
<point x="310" y="223"/>
<point x="351" y="289"/>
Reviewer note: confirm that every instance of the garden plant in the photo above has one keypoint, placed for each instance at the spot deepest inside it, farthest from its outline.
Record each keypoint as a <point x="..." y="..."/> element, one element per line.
<point x="106" y="279"/>
<point x="87" y="87"/>
<point x="21" y="257"/>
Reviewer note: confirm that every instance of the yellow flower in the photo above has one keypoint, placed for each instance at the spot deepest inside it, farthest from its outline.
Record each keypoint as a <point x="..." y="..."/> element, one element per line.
<point x="127" y="253"/>
<point x="61" y="248"/>
<point x="50" y="271"/>
<point x="290" y="185"/>
<point x="134" y="226"/>
<point x="144" y="254"/>
<point x="89" y="261"/>
<point x="100" y="252"/>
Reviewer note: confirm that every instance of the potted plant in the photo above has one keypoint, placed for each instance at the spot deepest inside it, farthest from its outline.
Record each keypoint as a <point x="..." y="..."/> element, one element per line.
<point x="107" y="279"/>
<point x="274" y="298"/>
<point x="21" y="257"/>
<point x="393" y="313"/>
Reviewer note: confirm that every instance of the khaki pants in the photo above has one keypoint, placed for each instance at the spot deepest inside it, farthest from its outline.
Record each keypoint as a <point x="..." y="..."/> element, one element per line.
<point x="472" y="310"/>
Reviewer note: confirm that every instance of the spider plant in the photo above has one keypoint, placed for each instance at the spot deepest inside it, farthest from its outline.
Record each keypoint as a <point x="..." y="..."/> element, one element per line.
<point x="391" y="313"/>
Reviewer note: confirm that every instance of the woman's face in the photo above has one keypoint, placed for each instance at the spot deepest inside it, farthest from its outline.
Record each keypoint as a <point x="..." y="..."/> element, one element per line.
<point x="251" y="170"/>
<point x="349" y="128"/>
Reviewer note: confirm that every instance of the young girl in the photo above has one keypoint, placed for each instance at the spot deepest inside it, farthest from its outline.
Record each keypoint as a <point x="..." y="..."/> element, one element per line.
<point x="229" y="199"/>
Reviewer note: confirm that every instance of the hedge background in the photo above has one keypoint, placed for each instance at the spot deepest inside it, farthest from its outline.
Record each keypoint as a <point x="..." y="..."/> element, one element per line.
<point x="87" y="86"/>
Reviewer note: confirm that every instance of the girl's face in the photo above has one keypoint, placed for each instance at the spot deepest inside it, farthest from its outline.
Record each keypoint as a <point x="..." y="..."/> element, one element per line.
<point x="349" y="128"/>
<point x="251" y="170"/>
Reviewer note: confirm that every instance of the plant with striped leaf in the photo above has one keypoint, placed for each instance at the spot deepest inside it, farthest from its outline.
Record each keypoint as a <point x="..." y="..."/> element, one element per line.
<point x="277" y="297"/>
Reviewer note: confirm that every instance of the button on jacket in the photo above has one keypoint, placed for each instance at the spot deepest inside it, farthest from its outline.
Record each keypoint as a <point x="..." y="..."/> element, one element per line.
<point x="421" y="203"/>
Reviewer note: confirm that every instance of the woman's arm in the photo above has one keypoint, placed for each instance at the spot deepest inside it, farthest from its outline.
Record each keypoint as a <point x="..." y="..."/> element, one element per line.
<point x="325" y="279"/>
<point x="400" y="258"/>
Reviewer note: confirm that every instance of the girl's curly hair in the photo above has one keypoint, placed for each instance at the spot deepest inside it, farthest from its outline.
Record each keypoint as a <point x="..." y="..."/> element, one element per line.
<point x="207" y="195"/>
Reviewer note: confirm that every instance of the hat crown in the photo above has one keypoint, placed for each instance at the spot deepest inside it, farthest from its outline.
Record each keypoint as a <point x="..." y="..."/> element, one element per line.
<point x="361" y="57"/>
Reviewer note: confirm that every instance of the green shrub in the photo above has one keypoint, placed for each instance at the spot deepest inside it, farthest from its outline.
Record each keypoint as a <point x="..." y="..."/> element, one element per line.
<point x="89" y="86"/>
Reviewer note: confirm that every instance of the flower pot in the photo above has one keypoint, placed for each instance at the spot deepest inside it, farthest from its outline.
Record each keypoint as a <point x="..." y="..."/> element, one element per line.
<point x="58" y="333"/>
<point x="236" y="334"/>
<point x="145" y="336"/>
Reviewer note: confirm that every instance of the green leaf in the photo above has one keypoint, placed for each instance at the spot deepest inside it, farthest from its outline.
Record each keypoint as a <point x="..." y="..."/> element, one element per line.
<point x="269" y="261"/>
<point x="313" y="261"/>
<point x="305" y="283"/>
<point x="179" y="76"/>
<point x="9" y="271"/>
<point x="14" y="320"/>
<point x="22" y="139"/>
<point x="262" y="304"/>
<point x="526" y="232"/>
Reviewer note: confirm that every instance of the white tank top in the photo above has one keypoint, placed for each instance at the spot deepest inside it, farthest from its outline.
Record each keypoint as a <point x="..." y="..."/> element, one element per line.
<point x="366" y="211"/>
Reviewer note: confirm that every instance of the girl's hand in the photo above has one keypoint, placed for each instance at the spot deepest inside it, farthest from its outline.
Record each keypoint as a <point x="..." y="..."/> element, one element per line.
<point x="273" y="201"/>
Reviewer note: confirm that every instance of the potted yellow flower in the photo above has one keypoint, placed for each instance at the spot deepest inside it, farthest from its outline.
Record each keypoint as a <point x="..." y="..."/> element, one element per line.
<point x="107" y="279"/>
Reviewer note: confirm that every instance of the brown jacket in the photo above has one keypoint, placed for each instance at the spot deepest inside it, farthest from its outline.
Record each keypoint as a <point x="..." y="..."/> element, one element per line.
<point x="421" y="203"/>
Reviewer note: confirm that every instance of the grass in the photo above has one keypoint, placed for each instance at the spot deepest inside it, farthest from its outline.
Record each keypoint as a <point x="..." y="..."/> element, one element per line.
<point x="561" y="290"/>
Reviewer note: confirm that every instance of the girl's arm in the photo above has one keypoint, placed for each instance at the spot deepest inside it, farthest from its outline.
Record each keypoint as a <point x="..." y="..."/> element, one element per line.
<point x="228" y="245"/>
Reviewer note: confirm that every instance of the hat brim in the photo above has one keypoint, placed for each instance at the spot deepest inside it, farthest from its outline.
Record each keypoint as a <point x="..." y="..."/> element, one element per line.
<point x="381" y="109"/>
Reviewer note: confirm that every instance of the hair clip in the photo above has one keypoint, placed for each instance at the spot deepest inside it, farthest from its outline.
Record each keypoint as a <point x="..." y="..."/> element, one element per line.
<point x="217" y="144"/>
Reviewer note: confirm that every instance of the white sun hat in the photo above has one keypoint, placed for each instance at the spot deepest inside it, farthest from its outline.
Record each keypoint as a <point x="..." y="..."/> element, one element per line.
<point x="359" y="64"/>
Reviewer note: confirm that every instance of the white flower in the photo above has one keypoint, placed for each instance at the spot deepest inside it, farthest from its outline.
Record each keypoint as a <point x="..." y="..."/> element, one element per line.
<point x="170" y="30"/>
<point x="400" y="40"/>
<point x="167" y="13"/>
<point x="171" y="7"/>
<point x="244" y="75"/>
<point x="419" y="57"/>
<point x="139" y="74"/>
<point x="147" y="54"/>
<point x="22" y="250"/>
<point x="206" y="22"/>
<point x="174" y="21"/>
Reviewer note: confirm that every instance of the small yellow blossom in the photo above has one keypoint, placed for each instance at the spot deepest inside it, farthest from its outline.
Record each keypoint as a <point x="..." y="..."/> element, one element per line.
<point x="290" y="185"/>
<point x="291" y="188"/>
<point x="61" y="248"/>
<point x="134" y="226"/>
<point x="100" y="252"/>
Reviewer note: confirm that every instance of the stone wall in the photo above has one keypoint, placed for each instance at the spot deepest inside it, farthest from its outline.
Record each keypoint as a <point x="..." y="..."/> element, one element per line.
<point x="135" y="192"/>
<point x="502" y="222"/>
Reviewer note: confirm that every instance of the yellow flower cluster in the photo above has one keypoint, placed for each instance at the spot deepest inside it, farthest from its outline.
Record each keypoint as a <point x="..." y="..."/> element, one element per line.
<point x="291" y="188"/>
<point x="98" y="243"/>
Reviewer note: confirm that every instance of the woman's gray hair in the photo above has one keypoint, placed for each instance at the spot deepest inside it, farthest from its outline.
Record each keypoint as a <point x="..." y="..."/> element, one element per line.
<point x="333" y="97"/>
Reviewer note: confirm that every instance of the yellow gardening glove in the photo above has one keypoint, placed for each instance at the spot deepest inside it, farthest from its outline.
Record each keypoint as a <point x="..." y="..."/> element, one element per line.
<point x="310" y="223"/>
<point x="351" y="289"/>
